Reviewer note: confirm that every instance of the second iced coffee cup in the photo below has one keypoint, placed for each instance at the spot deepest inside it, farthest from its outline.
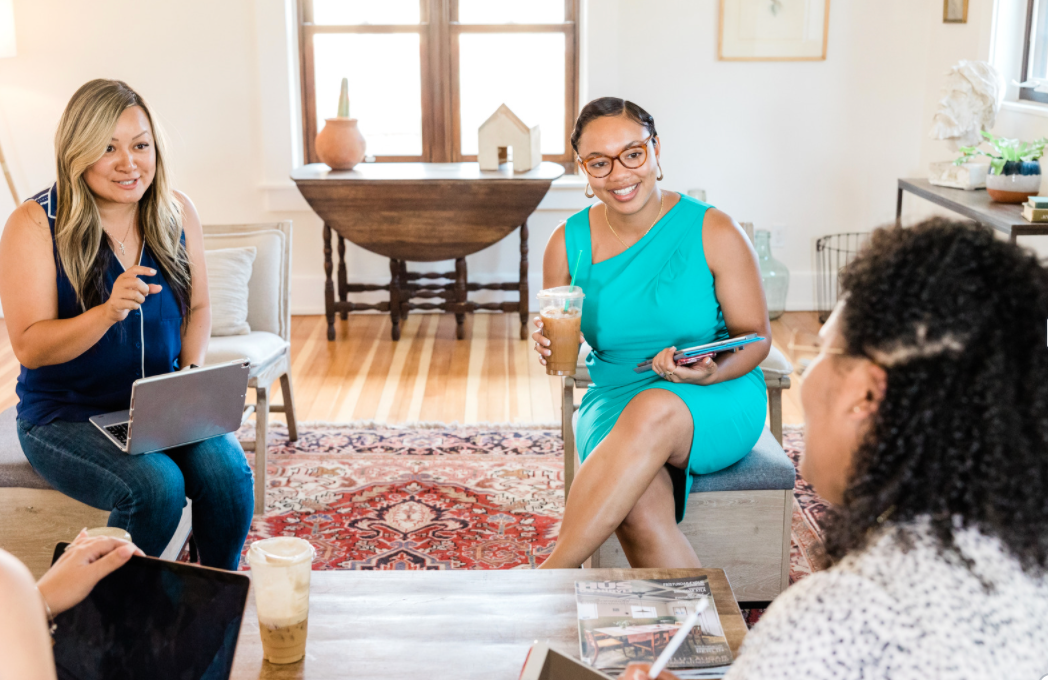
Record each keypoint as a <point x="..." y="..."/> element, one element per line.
<point x="280" y="569"/>
<point x="561" y="312"/>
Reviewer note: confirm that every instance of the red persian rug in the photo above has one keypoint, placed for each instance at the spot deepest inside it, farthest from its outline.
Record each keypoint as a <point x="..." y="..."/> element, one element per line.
<point x="443" y="497"/>
<point x="446" y="497"/>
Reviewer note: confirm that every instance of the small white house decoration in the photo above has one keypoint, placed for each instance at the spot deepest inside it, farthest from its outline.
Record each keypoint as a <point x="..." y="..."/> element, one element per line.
<point x="502" y="131"/>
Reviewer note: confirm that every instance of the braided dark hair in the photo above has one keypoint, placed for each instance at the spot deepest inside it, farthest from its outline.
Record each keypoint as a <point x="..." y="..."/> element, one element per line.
<point x="958" y="319"/>
<point x="610" y="106"/>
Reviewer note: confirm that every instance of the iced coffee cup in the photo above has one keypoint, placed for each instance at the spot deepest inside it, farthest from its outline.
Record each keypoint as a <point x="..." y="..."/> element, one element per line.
<point x="561" y="312"/>
<point x="280" y="569"/>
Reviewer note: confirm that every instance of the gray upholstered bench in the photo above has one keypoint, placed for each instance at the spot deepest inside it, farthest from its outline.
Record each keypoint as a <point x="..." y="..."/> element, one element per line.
<point x="739" y="518"/>
<point x="34" y="517"/>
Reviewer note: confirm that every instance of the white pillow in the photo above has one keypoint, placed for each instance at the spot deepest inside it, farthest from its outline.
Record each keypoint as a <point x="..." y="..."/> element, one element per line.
<point x="228" y="272"/>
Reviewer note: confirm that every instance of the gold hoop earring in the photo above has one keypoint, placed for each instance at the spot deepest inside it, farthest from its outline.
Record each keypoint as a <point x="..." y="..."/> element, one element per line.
<point x="658" y="177"/>
<point x="589" y="192"/>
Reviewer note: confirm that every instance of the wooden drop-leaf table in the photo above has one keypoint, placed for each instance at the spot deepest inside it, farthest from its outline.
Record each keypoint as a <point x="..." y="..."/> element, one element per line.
<point x="423" y="212"/>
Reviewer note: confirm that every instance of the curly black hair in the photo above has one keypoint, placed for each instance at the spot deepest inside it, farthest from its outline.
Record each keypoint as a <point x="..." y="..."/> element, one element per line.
<point x="958" y="320"/>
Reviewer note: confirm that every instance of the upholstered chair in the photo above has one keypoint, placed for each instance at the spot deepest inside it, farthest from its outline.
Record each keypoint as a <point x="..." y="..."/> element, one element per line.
<point x="268" y="344"/>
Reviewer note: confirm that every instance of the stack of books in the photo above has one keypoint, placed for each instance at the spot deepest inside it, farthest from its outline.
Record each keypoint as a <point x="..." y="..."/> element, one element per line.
<point x="1036" y="209"/>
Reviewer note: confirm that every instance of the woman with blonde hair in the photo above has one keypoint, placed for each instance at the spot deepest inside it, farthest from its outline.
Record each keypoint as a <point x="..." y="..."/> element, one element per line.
<point x="103" y="282"/>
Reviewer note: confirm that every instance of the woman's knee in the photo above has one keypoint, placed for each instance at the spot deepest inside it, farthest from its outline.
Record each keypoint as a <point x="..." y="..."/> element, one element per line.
<point x="658" y="417"/>
<point x="157" y="486"/>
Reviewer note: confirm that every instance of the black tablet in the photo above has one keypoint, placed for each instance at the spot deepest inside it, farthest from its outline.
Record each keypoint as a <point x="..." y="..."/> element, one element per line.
<point x="153" y="619"/>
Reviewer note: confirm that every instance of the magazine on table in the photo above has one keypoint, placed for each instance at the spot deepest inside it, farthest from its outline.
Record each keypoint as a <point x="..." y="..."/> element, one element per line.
<point x="622" y="622"/>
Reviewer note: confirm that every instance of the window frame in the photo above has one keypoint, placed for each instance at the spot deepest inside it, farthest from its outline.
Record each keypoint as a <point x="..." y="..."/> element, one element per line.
<point x="438" y="31"/>
<point x="1028" y="93"/>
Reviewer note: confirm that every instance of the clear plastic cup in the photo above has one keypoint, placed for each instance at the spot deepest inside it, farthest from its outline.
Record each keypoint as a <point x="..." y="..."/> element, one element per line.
<point x="280" y="569"/>
<point x="561" y="312"/>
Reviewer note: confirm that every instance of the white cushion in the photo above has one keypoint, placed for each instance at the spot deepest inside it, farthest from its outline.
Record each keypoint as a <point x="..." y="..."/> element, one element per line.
<point x="228" y="273"/>
<point x="265" y="304"/>
<point x="258" y="347"/>
<point x="775" y="365"/>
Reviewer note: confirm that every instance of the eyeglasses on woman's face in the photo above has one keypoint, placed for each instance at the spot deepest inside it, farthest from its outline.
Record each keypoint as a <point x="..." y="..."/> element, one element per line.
<point x="632" y="157"/>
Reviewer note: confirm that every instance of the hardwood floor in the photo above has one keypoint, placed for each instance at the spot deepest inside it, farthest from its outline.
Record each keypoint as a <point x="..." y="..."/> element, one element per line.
<point x="491" y="376"/>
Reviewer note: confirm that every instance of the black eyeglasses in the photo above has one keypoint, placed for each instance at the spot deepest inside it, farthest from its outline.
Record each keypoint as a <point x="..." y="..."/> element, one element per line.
<point x="632" y="158"/>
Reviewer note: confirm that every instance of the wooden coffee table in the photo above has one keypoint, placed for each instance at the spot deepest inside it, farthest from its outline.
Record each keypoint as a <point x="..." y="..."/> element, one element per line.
<point x="393" y="625"/>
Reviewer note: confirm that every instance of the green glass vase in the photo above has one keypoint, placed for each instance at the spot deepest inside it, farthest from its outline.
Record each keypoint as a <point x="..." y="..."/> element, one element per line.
<point x="774" y="274"/>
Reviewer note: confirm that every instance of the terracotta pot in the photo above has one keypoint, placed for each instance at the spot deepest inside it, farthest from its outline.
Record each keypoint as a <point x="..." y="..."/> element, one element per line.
<point x="1018" y="181"/>
<point x="340" y="143"/>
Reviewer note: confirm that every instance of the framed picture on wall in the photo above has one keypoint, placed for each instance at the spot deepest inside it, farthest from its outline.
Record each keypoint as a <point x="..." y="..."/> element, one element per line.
<point x="955" y="11"/>
<point x="773" y="30"/>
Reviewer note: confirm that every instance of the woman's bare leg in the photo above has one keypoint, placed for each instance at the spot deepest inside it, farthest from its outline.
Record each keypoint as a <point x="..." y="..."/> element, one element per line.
<point x="654" y="429"/>
<point x="650" y="536"/>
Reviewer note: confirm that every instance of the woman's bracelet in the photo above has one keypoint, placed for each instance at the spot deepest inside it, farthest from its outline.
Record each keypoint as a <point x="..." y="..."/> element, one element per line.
<point x="51" y="625"/>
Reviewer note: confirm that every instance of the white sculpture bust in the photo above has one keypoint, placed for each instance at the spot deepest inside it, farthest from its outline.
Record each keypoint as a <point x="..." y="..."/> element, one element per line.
<point x="971" y="100"/>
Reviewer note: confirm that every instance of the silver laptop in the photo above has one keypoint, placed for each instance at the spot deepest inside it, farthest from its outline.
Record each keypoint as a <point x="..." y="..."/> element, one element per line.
<point x="179" y="408"/>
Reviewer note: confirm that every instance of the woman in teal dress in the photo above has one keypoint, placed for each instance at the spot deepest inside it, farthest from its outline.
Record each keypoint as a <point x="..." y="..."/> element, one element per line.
<point x="660" y="271"/>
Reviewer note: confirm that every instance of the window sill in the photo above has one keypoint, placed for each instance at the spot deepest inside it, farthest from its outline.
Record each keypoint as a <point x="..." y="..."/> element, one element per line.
<point x="1026" y="107"/>
<point x="566" y="194"/>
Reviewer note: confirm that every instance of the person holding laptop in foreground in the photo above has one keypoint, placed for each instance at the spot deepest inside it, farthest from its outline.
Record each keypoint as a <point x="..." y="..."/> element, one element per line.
<point x="925" y="428"/>
<point x="103" y="281"/>
<point x="660" y="271"/>
<point x="29" y="608"/>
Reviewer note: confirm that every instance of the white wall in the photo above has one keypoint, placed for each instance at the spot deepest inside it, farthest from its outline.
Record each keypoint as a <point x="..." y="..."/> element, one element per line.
<point x="813" y="148"/>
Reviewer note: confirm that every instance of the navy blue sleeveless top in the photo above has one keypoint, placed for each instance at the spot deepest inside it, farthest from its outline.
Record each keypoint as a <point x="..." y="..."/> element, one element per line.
<point x="98" y="381"/>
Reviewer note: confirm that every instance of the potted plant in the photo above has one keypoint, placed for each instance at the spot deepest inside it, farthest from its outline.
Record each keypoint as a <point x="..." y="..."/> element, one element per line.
<point x="1015" y="173"/>
<point x="340" y="143"/>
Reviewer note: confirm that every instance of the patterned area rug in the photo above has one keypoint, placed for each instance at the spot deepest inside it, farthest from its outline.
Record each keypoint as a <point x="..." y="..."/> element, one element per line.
<point x="443" y="497"/>
<point x="380" y="497"/>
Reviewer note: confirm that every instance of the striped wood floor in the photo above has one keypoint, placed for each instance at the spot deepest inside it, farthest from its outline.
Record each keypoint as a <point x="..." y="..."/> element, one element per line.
<point x="491" y="376"/>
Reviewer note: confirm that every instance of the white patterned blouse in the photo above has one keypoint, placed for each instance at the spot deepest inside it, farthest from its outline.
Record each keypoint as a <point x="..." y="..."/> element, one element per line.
<point x="887" y="613"/>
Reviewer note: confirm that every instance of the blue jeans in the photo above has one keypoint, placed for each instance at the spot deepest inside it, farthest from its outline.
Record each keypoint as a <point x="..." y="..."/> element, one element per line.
<point x="146" y="493"/>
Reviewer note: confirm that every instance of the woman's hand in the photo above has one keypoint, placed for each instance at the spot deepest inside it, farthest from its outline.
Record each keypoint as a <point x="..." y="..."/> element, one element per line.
<point x="86" y="561"/>
<point x="699" y="373"/>
<point x="542" y="342"/>
<point x="129" y="292"/>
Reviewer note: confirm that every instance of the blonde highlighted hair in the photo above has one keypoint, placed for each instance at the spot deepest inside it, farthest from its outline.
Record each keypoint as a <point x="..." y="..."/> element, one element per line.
<point x="83" y="135"/>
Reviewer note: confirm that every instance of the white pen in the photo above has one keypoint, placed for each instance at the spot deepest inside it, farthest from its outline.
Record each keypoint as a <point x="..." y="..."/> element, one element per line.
<point x="678" y="638"/>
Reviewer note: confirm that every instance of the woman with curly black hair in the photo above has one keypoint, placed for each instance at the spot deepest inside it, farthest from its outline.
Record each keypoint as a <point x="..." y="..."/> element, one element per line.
<point x="927" y="429"/>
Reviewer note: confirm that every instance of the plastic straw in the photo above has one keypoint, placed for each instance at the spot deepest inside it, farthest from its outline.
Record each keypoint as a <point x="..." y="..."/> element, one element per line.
<point x="577" y="261"/>
<point x="674" y="645"/>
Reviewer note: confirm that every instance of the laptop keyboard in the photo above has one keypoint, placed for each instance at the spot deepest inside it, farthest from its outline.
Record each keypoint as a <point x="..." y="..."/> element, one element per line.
<point x="119" y="432"/>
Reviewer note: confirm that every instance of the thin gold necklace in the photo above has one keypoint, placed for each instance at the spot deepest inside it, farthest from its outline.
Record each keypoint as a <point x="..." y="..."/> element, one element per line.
<point x="127" y="233"/>
<point x="662" y="204"/>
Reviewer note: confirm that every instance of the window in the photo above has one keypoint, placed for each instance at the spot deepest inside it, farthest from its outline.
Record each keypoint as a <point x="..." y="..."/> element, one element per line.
<point x="424" y="74"/>
<point x="1035" y="51"/>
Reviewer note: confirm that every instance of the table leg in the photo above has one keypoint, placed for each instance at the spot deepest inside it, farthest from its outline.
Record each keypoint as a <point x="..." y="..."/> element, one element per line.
<point x="460" y="295"/>
<point x="342" y="285"/>
<point x="394" y="297"/>
<point x="898" y="208"/>
<point x="404" y="278"/>
<point x="525" y="298"/>
<point x="329" y="286"/>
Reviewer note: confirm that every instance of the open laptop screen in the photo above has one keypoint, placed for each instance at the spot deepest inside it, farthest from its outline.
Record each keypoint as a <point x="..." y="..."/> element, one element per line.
<point x="153" y="619"/>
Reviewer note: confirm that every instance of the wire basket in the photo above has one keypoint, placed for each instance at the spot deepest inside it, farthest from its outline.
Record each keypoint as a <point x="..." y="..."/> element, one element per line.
<point x="832" y="254"/>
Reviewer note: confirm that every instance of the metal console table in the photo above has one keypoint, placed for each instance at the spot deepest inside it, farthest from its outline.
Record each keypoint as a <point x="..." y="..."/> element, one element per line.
<point x="1006" y="218"/>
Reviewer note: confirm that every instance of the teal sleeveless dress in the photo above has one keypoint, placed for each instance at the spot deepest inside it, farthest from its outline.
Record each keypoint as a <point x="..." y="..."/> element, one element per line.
<point x="656" y="294"/>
